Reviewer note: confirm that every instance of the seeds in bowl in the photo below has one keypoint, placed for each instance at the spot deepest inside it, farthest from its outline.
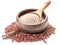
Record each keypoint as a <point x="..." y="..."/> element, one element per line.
<point x="30" y="19"/>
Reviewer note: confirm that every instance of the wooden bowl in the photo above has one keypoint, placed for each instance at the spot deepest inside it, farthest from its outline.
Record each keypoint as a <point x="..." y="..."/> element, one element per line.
<point x="32" y="28"/>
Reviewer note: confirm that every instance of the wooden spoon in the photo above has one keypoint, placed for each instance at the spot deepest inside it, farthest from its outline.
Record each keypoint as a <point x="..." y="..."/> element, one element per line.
<point x="39" y="12"/>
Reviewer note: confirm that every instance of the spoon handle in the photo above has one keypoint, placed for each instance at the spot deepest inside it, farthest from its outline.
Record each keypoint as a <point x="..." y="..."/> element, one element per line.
<point x="45" y="5"/>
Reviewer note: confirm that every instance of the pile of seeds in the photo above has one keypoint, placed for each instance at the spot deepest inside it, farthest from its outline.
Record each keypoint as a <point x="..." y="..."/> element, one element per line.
<point x="20" y="36"/>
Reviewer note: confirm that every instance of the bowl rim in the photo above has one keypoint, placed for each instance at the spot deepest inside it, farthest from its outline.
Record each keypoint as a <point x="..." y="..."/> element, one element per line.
<point x="17" y="18"/>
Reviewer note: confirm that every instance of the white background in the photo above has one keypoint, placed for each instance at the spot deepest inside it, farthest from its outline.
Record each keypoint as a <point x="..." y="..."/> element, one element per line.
<point x="10" y="8"/>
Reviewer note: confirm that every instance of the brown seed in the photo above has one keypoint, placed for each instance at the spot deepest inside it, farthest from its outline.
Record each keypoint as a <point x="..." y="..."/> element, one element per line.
<point x="24" y="37"/>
